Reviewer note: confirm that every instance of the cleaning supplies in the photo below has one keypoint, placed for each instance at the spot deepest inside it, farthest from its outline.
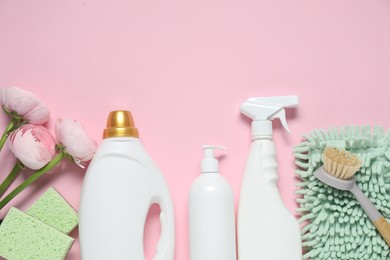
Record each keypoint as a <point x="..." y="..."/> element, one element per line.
<point x="52" y="209"/>
<point x="24" y="237"/>
<point x="337" y="172"/>
<point x="41" y="232"/>
<point x="266" y="229"/>
<point x="211" y="213"/>
<point x="120" y="185"/>
<point x="335" y="225"/>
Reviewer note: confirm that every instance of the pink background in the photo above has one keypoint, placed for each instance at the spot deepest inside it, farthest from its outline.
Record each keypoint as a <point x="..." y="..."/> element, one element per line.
<point x="184" y="67"/>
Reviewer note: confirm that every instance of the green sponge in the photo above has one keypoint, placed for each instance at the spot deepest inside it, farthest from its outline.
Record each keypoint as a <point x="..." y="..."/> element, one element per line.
<point x="52" y="209"/>
<point x="336" y="226"/>
<point x="23" y="237"/>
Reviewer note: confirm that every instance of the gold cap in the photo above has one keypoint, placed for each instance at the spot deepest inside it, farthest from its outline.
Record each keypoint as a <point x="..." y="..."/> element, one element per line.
<point x="120" y="124"/>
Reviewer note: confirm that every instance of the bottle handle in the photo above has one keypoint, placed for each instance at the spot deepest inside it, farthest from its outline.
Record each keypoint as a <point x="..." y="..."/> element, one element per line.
<point x="165" y="246"/>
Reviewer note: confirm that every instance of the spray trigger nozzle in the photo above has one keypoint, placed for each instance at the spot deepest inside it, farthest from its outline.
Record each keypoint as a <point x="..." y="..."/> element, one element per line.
<point x="281" y="114"/>
<point x="209" y="162"/>
<point x="262" y="110"/>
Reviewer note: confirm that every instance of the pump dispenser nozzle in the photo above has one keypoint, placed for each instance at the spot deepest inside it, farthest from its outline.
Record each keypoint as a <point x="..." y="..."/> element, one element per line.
<point x="209" y="163"/>
<point x="264" y="109"/>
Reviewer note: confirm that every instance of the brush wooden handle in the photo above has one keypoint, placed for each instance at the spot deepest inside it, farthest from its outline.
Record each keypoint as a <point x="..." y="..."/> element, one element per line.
<point x="384" y="229"/>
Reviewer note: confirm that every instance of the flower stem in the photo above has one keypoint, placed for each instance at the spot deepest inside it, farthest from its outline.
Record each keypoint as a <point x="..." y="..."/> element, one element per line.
<point x="11" y="177"/>
<point x="6" y="133"/>
<point x="53" y="163"/>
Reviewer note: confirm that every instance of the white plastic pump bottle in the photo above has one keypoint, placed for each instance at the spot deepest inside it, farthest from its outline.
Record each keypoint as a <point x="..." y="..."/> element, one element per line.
<point x="120" y="185"/>
<point x="211" y="213"/>
<point x="266" y="229"/>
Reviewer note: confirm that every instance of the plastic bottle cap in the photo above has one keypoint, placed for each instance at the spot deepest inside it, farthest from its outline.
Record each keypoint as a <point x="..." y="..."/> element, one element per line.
<point x="261" y="128"/>
<point x="209" y="163"/>
<point x="120" y="124"/>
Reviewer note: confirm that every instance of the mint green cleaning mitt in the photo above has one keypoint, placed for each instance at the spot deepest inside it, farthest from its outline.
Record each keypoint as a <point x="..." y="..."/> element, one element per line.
<point x="335" y="226"/>
<point x="23" y="237"/>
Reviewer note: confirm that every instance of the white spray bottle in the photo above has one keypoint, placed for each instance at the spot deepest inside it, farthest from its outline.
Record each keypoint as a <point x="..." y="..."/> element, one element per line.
<point x="211" y="213"/>
<point x="121" y="184"/>
<point x="266" y="229"/>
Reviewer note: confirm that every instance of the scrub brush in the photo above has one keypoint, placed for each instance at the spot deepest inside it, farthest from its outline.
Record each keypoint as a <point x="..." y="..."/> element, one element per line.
<point x="339" y="167"/>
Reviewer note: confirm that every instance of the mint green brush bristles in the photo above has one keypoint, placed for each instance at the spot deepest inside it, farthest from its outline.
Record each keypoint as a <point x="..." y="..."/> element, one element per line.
<point x="335" y="225"/>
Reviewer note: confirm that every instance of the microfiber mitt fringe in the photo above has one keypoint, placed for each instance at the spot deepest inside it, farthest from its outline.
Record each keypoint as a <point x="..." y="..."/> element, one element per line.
<point x="334" y="226"/>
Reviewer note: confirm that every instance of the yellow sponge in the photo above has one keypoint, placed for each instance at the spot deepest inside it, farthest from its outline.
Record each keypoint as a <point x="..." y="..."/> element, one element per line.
<point x="52" y="209"/>
<point x="23" y="237"/>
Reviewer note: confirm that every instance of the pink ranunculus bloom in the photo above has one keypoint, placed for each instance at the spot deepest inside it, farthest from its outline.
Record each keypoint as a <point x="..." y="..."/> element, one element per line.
<point x="25" y="104"/>
<point x="33" y="145"/>
<point x="72" y="135"/>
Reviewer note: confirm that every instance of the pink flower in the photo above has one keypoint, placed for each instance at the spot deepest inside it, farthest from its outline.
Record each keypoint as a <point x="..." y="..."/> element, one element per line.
<point x="77" y="143"/>
<point x="25" y="104"/>
<point x="33" y="145"/>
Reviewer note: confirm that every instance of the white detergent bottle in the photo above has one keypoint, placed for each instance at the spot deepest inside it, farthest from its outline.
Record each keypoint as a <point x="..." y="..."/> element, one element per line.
<point x="121" y="184"/>
<point x="266" y="229"/>
<point x="211" y="213"/>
